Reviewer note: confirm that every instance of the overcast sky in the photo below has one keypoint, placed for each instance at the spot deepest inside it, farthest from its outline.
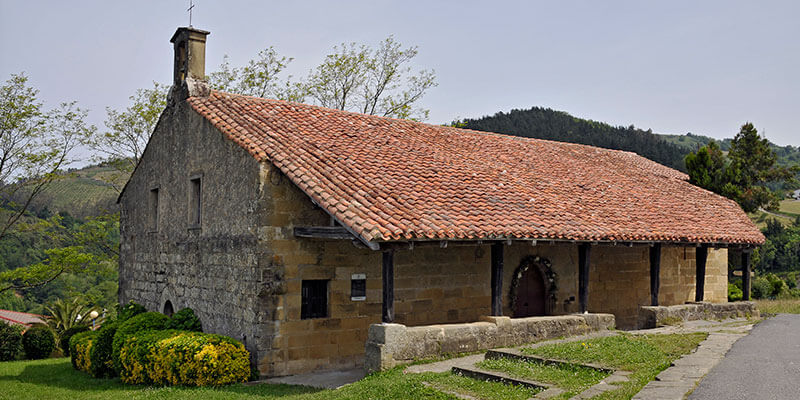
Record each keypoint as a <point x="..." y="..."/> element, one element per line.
<point x="679" y="66"/>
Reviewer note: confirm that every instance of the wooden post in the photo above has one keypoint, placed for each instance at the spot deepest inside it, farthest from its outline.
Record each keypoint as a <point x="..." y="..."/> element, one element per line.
<point x="700" y="278"/>
<point x="745" y="275"/>
<point x="655" y="272"/>
<point x="497" y="278"/>
<point x="583" y="277"/>
<point x="388" y="286"/>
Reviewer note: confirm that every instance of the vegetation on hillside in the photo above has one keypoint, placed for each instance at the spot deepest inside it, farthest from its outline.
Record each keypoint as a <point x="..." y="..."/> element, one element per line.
<point x="545" y="123"/>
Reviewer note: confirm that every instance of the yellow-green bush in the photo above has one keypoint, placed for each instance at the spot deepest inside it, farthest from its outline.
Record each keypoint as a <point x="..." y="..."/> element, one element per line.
<point x="183" y="358"/>
<point x="80" y="347"/>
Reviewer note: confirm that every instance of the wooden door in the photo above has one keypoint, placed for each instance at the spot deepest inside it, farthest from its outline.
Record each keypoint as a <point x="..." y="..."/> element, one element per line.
<point x="530" y="299"/>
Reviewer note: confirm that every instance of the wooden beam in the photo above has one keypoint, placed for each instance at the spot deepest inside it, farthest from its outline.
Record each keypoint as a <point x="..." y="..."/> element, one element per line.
<point x="745" y="275"/>
<point x="323" y="232"/>
<point x="655" y="273"/>
<point x="497" y="278"/>
<point x="700" y="274"/>
<point x="583" y="276"/>
<point x="388" y="286"/>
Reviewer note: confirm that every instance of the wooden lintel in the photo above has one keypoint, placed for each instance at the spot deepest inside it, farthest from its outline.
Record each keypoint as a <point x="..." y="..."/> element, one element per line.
<point x="323" y="232"/>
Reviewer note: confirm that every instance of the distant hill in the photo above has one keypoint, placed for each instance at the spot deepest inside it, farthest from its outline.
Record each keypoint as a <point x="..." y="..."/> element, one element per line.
<point x="545" y="123"/>
<point x="82" y="192"/>
<point x="787" y="155"/>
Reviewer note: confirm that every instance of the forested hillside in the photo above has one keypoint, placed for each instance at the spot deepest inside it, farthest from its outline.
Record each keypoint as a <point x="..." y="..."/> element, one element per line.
<point x="787" y="155"/>
<point x="545" y="123"/>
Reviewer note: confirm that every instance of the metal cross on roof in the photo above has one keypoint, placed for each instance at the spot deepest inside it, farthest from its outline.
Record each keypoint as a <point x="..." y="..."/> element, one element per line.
<point x="191" y="6"/>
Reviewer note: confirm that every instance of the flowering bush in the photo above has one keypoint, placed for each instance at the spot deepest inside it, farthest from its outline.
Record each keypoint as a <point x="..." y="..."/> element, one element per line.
<point x="101" y="362"/>
<point x="185" y="320"/>
<point x="183" y="358"/>
<point x="80" y="347"/>
<point x="149" y="321"/>
<point x="63" y="341"/>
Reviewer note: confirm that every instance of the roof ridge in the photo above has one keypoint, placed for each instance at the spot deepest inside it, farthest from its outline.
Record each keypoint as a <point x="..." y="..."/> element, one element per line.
<point x="407" y="121"/>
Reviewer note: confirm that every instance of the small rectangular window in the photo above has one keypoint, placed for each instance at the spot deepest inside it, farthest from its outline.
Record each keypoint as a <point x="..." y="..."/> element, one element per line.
<point x="153" y="217"/>
<point x="358" y="287"/>
<point x="195" y="203"/>
<point x="315" y="299"/>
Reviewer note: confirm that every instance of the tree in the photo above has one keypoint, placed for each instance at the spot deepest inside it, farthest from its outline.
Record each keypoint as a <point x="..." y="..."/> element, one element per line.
<point x="754" y="166"/>
<point x="68" y="314"/>
<point x="34" y="145"/>
<point x="371" y="81"/>
<point x="744" y="175"/>
<point x="129" y="130"/>
<point x="354" y="77"/>
<point x="87" y="249"/>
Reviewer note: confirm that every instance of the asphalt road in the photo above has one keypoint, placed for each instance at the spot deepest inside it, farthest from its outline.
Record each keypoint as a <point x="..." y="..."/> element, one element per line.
<point x="762" y="365"/>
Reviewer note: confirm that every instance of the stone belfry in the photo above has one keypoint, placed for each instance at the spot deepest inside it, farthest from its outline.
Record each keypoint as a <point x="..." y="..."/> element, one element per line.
<point x="189" y="70"/>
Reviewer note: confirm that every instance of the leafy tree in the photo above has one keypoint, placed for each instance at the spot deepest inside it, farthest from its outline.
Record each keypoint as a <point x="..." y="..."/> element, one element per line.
<point x="371" y="81"/>
<point x="86" y="249"/>
<point x="754" y="166"/>
<point x="354" y="77"/>
<point x="745" y="174"/>
<point x="34" y="145"/>
<point x="128" y="131"/>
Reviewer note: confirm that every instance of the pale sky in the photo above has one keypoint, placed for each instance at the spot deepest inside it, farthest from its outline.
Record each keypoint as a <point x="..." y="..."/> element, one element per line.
<point x="677" y="66"/>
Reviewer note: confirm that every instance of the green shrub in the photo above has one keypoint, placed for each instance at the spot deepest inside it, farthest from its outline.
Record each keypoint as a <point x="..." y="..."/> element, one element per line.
<point x="129" y="310"/>
<point x="149" y="321"/>
<point x="80" y="347"/>
<point x="10" y="341"/>
<point x="760" y="288"/>
<point x="100" y="355"/>
<point x="183" y="358"/>
<point x="185" y="320"/>
<point x="734" y="293"/>
<point x="63" y="342"/>
<point x="38" y="342"/>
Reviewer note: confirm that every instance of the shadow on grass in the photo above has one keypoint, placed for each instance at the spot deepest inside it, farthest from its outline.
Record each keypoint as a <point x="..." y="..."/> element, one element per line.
<point x="60" y="374"/>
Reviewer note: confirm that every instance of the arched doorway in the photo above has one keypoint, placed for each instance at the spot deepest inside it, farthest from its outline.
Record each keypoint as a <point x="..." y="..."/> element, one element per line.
<point x="168" y="311"/>
<point x="532" y="288"/>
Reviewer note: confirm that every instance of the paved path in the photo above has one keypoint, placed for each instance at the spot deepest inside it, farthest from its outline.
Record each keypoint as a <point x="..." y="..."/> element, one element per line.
<point x="763" y="365"/>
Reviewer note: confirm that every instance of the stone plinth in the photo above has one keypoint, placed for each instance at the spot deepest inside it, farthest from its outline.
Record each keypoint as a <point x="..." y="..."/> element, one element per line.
<point x="654" y="316"/>
<point x="393" y="344"/>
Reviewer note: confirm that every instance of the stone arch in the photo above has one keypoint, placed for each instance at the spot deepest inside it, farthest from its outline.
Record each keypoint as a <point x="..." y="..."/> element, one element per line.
<point x="168" y="296"/>
<point x="168" y="310"/>
<point x="542" y="267"/>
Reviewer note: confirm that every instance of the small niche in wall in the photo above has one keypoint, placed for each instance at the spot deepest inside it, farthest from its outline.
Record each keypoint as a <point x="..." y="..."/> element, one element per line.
<point x="358" y="287"/>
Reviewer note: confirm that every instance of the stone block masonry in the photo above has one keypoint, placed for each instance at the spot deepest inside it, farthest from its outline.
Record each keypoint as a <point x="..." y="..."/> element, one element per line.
<point x="652" y="317"/>
<point x="393" y="344"/>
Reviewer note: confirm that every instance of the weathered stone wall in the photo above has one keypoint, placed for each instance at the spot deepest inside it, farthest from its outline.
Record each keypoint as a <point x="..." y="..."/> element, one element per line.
<point x="392" y="344"/>
<point x="215" y="268"/>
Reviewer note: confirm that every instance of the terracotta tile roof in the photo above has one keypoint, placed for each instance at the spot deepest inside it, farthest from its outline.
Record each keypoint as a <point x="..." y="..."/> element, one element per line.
<point x="20" y="318"/>
<point x="390" y="180"/>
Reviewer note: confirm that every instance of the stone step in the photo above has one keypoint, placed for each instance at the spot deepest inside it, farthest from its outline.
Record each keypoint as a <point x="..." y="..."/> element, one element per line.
<point x="515" y="354"/>
<point x="498" y="376"/>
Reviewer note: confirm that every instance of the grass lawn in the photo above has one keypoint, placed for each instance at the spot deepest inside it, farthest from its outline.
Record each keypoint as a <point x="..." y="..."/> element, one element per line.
<point x="788" y="306"/>
<point x="55" y="379"/>
<point x="645" y="356"/>
<point x="790" y="207"/>
<point x="573" y="379"/>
